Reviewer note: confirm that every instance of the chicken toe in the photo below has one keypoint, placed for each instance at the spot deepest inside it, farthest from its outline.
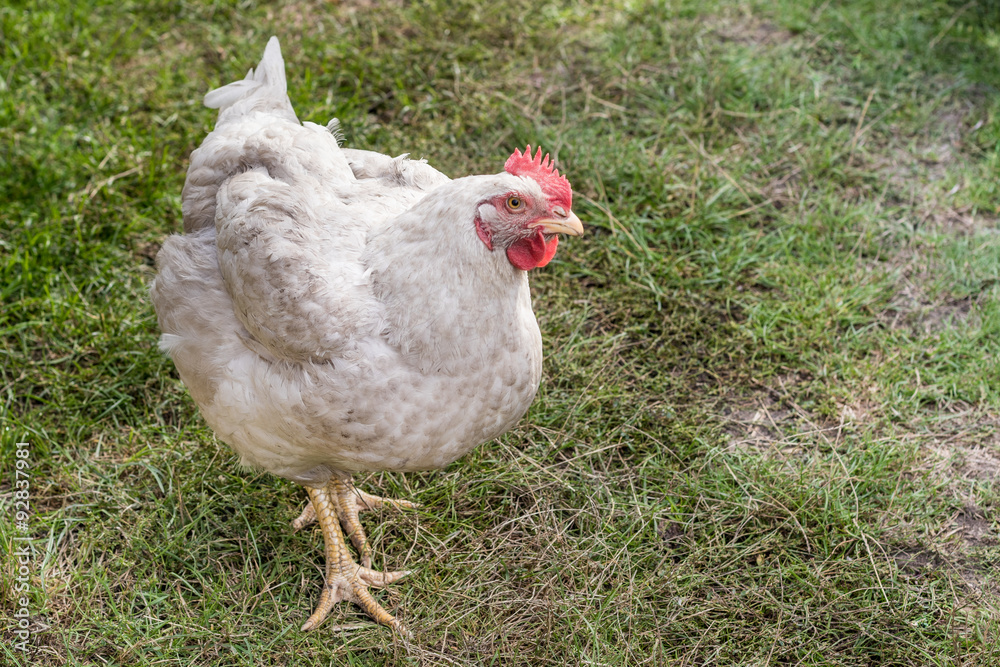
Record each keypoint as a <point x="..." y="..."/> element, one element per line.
<point x="350" y="502"/>
<point x="307" y="517"/>
<point x="345" y="579"/>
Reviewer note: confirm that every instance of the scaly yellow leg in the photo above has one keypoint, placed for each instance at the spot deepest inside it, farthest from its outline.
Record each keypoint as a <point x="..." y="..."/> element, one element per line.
<point x="345" y="579"/>
<point x="350" y="502"/>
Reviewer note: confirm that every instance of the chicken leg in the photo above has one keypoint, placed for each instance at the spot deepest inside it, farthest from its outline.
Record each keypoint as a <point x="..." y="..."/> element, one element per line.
<point x="350" y="501"/>
<point x="332" y="506"/>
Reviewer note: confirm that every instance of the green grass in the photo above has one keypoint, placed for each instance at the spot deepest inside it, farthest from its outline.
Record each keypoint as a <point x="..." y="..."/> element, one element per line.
<point x="767" y="429"/>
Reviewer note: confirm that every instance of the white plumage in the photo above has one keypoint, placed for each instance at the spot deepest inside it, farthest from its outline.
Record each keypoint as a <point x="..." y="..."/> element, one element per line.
<point x="335" y="310"/>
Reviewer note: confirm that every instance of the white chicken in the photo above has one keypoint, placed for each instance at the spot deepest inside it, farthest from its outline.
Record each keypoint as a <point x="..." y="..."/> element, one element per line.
<point x="334" y="311"/>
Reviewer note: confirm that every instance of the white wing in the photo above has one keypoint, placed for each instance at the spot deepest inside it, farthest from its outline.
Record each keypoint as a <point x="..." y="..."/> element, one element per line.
<point x="289" y="256"/>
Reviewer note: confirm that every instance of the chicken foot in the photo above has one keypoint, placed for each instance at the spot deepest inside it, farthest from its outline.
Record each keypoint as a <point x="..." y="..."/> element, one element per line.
<point x="345" y="579"/>
<point x="351" y="501"/>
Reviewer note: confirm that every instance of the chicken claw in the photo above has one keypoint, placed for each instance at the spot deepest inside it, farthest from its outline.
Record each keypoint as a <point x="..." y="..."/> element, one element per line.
<point x="345" y="579"/>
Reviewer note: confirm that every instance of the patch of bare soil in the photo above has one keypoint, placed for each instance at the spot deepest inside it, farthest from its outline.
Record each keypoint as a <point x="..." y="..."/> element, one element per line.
<point x="981" y="586"/>
<point x="917" y="169"/>
<point x="974" y="572"/>
<point x="757" y="423"/>
<point x="913" y="310"/>
<point x="981" y="463"/>
<point x="749" y="29"/>
<point x="962" y="450"/>
<point x="768" y="420"/>
<point x="975" y="526"/>
<point x="967" y="446"/>
<point x="927" y="157"/>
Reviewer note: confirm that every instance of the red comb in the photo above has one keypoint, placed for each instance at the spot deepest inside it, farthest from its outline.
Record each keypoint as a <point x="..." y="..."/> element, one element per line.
<point x="543" y="172"/>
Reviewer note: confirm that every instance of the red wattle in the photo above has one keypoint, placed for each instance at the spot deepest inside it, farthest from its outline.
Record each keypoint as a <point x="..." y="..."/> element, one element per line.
<point x="533" y="251"/>
<point x="550" y="250"/>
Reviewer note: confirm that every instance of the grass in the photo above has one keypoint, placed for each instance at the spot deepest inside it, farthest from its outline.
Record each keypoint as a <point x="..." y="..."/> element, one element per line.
<point x="767" y="429"/>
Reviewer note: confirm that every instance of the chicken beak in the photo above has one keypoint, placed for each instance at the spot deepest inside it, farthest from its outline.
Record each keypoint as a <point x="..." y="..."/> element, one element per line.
<point x="570" y="225"/>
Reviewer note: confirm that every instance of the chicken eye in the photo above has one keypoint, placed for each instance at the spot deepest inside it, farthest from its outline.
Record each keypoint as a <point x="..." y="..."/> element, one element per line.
<point x="514" y="203"/>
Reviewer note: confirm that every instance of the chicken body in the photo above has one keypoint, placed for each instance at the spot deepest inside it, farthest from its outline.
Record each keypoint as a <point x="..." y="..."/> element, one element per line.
<point x="334" y="310"/>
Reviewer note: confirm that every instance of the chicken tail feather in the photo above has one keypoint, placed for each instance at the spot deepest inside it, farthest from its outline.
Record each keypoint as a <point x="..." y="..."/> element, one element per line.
<point x="265" y="83"/>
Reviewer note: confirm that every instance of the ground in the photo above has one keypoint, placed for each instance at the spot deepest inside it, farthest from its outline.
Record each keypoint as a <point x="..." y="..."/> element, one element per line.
<point x="767" y="429"/>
